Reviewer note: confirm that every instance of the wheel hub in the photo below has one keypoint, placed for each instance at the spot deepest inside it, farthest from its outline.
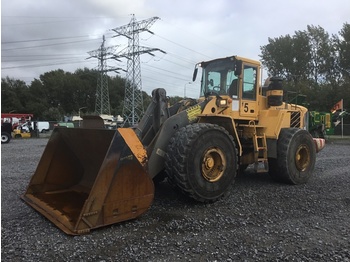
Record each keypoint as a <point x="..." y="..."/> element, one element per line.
<point x="209" y="163"/>
<point x="302" y="158"/>
<point x="213" y="164"/>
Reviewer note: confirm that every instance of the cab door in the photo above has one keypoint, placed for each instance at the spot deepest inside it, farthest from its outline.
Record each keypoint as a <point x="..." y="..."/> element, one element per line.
<point x="248" y="105"/>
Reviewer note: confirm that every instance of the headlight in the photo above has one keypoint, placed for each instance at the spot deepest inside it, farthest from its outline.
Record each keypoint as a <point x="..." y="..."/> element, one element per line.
<point x="221" y="102"/>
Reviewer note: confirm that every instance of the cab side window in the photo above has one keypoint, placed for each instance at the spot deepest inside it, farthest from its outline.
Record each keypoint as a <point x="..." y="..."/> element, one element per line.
<point x="249" y="82"/>
<point x="214" y="79"/>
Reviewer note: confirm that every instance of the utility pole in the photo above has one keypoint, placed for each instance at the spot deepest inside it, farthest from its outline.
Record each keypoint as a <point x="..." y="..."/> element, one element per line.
<point x="133" y="100"/>
<point x="102" y="105"/>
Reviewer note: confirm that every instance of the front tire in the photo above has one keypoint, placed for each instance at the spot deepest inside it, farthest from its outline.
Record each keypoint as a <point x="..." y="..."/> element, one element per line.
<point x="296" y="157"/>
<point x="201" y="161"/>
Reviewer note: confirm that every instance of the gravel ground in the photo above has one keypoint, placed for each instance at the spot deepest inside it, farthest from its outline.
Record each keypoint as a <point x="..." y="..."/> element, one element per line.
<point x="260" y="221"/>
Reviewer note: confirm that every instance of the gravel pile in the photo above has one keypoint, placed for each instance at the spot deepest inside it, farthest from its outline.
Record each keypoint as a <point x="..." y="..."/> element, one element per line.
<point x="260" y="221"/>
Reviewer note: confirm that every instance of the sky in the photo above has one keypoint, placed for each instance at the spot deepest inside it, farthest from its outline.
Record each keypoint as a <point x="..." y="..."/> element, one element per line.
<point x="44" y="35"/>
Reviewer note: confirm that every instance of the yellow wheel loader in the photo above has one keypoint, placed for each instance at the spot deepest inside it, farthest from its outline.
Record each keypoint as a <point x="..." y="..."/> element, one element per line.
<point x="90" y="177"/>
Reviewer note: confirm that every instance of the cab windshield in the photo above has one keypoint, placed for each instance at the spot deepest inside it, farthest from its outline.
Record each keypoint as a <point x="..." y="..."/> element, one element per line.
<point x="218" y="77"/>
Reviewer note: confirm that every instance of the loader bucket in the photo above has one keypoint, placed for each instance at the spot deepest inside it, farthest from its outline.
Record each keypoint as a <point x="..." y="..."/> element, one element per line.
<point x="89" y="178"/>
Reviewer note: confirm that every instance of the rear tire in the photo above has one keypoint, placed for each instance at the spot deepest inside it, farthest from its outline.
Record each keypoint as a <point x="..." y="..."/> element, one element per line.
<point x="201" y="161"/>
<point x="5" y="137"/>
<point x="296" y="157"/>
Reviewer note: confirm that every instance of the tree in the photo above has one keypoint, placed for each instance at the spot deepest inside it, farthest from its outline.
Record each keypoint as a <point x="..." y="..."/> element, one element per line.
<point x="58" y="93"/>
<point x="343" y="47"/>
<point x="312" y="63"/>
<point x="276" y="55"/>
<point x="301" y="57"/>
<point x="322" y="54"/>
<point x="116" y="87"/>
<point x="287" y="56"/>
<point x="14" y="95"/>
<point x="37" y="103"/>
<point x="85" y="93"/>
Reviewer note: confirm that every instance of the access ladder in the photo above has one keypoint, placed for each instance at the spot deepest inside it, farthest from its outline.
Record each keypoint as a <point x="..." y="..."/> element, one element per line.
<point x="260" y="147"/>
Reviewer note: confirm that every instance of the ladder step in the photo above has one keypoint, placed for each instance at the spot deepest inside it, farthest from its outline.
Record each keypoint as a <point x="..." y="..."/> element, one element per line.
<point x="261" y="170"/>
<point x="260" y="154"/>
<point x="261" y="167"/>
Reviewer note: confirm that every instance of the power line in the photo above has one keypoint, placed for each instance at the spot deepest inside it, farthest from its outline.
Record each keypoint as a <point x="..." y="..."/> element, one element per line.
<point x="54" y="44"/>
<point x="102" y="105"/>
<point x="43" y="39"/>
<point x="194" y="51"/>
<point x="172" y="58"/>
<point x="37" y="58"/>
<point x="38" y="20"/>
<point x="133" y="100"/>
<point x="39" y="65"/>
<point x="161" y="69"/>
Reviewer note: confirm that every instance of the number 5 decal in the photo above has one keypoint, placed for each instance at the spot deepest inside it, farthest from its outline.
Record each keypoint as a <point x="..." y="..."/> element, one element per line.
<point x="245" y="107"/>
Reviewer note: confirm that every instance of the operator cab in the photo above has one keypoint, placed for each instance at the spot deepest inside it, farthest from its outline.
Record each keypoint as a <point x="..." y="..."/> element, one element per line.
<point x="234" y="77"/>
<point x="219" y="77"/>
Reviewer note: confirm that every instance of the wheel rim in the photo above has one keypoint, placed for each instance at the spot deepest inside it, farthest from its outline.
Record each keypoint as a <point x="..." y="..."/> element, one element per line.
<point x="213" y="164"/>
<point x="302" y="158"/>
<point x="3" y="138"/>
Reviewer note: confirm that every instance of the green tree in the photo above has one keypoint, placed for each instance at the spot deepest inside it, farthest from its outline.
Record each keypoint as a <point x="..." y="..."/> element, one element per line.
<point x="14" y="95"/>
<point x="301" y="57"/>
<point x="116" y="88"/>
<point x="322" y="55"/>
<point x="343" y="47"/>
<point x="277" y="54"/>
<point x="342" y="44"/>
<point x="85" y="93"/>
<point x="58" y="93"/>
<point x="53" y="84"/>
<point x="287" y="56"/>
<point x="38" y="103"/>
<point x="312" y="63"/>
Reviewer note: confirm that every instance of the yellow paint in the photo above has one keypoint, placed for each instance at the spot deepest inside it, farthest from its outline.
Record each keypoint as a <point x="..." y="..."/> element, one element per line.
<point x="134" y="144"/>
<point x="193" y="112"/>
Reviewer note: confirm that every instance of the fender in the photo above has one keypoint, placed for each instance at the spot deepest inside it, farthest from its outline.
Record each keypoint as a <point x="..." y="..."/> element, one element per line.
<point x="226" y="122"/>
<point x="158" y="146"/>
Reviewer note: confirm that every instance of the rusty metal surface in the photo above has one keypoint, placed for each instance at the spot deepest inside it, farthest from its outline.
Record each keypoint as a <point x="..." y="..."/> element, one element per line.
<point x="88" y="178"/>
<point x="92" y="121"/>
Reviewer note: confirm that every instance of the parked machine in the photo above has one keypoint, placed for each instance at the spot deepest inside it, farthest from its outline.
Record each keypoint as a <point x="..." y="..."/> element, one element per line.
<point x="324" y="123"/>
<point x="6" y="130"/>
<point x="16" y="119"/>
<point x="92" y="177"/>
<point x="15" y="125"/>
<point x="23" y="130"/>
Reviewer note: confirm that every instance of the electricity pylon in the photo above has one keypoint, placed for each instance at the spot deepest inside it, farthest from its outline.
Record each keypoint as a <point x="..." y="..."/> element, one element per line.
<point x="102" y="105"/>
<point x="133" y="100"/>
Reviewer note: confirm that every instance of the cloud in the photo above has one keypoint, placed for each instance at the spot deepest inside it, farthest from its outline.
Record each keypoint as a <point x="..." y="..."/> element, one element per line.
<point x="117" y="8"/>
<point x="43" y="35"/>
